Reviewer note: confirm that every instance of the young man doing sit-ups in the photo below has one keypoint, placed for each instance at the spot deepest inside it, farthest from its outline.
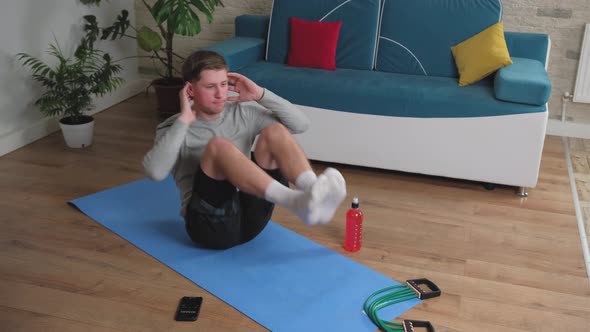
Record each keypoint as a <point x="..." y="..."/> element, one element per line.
<point x="227" y="195"/>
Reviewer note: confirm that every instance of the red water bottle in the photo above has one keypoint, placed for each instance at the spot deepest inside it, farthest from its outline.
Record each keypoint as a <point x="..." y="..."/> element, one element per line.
<point x="354" y="227"/>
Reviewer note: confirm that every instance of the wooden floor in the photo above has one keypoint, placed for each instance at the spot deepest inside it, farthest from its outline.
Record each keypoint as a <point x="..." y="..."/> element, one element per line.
<point x="580" y="156"/>
<point x="504" y="263"/>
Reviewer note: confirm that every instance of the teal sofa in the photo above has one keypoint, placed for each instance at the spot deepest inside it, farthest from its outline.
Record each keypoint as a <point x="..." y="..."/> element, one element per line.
<point x="394" y="101"/>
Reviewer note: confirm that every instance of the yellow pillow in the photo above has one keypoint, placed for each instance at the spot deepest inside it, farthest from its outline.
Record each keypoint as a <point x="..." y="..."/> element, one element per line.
<point x="481" y="55"/>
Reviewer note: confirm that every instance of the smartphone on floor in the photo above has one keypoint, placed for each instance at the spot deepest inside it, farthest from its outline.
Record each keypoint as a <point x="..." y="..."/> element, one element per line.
<point x="188" y="308"/>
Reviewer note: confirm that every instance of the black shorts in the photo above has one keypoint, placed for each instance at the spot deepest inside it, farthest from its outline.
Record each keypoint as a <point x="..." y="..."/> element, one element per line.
<point x="219" y="216"/>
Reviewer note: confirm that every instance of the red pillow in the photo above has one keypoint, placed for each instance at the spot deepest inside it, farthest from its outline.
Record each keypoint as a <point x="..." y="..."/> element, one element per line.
<point x="313" y="44"/>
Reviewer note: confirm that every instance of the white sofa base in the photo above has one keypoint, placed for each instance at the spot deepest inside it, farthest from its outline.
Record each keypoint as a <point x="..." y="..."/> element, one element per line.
<point x="499" y="149"/>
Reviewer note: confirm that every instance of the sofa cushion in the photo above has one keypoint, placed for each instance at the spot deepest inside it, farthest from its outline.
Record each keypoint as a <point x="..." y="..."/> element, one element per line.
<point x="381" y="93"/>
<point x="313" y="44"/>
<point x="416" y="36"/>
<point x="356" y="43"/>
<point x="239" y="51"/>
<point x="525" y="81"/>
<point x="481" y="55"/>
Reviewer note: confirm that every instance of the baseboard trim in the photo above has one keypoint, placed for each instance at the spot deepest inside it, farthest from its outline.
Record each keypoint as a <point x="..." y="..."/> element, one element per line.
<point x="579" y="214"/>
<point x="21" y="137"/>
<point x="568" y="129"/>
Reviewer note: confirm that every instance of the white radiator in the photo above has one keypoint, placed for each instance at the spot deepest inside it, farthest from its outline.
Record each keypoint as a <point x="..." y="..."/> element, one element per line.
<point x="582" y="90"/>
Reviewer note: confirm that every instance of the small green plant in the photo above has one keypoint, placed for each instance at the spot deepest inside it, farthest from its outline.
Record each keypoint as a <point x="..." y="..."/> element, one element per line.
<point x="70" y="84"/>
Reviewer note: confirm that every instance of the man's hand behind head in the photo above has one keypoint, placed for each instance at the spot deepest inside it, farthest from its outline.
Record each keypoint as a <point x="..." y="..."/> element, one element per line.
<point x="187" y="115"/>
<point x="246" y="89"/>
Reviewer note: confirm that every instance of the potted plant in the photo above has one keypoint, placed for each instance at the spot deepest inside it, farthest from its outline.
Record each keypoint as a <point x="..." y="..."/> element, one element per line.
<point x="70" y="85"/>
<point x="171" y="17"/>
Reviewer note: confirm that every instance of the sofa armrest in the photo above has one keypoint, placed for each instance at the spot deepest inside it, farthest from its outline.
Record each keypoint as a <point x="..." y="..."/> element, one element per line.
<point x="240" y="51"/>
<point x="528" y="45"/>
<point x="524" y="81"/>
<point x="254" y="26"/>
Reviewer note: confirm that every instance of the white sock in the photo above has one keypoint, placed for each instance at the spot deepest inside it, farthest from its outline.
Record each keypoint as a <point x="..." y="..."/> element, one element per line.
<point x="328" y="193"/>
<point x="296" y="201"/>
<point x="306" y="180"/>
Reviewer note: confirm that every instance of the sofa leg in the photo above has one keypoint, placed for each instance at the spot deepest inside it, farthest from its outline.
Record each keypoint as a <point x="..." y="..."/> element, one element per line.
<point x="489" y="186"/>
<point x="522" y="192"/>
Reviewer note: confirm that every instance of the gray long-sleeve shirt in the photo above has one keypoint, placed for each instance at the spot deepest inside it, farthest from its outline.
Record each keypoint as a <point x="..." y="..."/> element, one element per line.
<point x="178" y="146"/>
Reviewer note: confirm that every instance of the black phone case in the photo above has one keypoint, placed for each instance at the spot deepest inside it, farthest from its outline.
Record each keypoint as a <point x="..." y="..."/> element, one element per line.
<point x="188" y="308"/>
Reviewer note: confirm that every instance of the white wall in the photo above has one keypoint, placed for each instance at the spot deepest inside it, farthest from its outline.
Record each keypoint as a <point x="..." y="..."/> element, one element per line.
<point x="28" y="26"/>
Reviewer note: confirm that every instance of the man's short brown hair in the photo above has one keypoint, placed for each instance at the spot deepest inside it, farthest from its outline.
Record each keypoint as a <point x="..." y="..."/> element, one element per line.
<point x="199" y="61"/>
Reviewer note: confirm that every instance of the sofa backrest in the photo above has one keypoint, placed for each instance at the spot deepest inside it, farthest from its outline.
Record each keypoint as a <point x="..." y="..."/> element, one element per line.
<point x="358" y="34"/>
<point x="415" y="37"/>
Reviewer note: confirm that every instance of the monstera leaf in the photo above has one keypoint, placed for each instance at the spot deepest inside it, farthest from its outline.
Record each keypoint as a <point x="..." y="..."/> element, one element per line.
<point x="148" y="39"/>
<point x="180" y="16"/>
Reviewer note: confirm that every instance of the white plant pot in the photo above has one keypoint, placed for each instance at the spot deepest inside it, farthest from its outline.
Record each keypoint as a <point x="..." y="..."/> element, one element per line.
<point x="78" y="136"/>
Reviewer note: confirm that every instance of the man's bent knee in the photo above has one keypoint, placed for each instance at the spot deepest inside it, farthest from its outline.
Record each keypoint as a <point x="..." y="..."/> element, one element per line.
<point x="218" y="145"/>
<point x="262" y="152"/>
<point x="274" y="131"/>
<point x="215" y="147"/>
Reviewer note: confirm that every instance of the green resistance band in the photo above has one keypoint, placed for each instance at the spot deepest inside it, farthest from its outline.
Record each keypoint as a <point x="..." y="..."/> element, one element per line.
<point x="396" y="294"/>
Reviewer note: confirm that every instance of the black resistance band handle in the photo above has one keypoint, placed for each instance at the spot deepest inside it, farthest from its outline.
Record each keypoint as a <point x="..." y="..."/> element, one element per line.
<point x="415" y="285"/>
<point x="409" y="325"/>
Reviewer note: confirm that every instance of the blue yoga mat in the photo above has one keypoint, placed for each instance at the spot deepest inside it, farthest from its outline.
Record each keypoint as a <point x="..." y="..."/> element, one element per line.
<point x="281" y="279"/>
